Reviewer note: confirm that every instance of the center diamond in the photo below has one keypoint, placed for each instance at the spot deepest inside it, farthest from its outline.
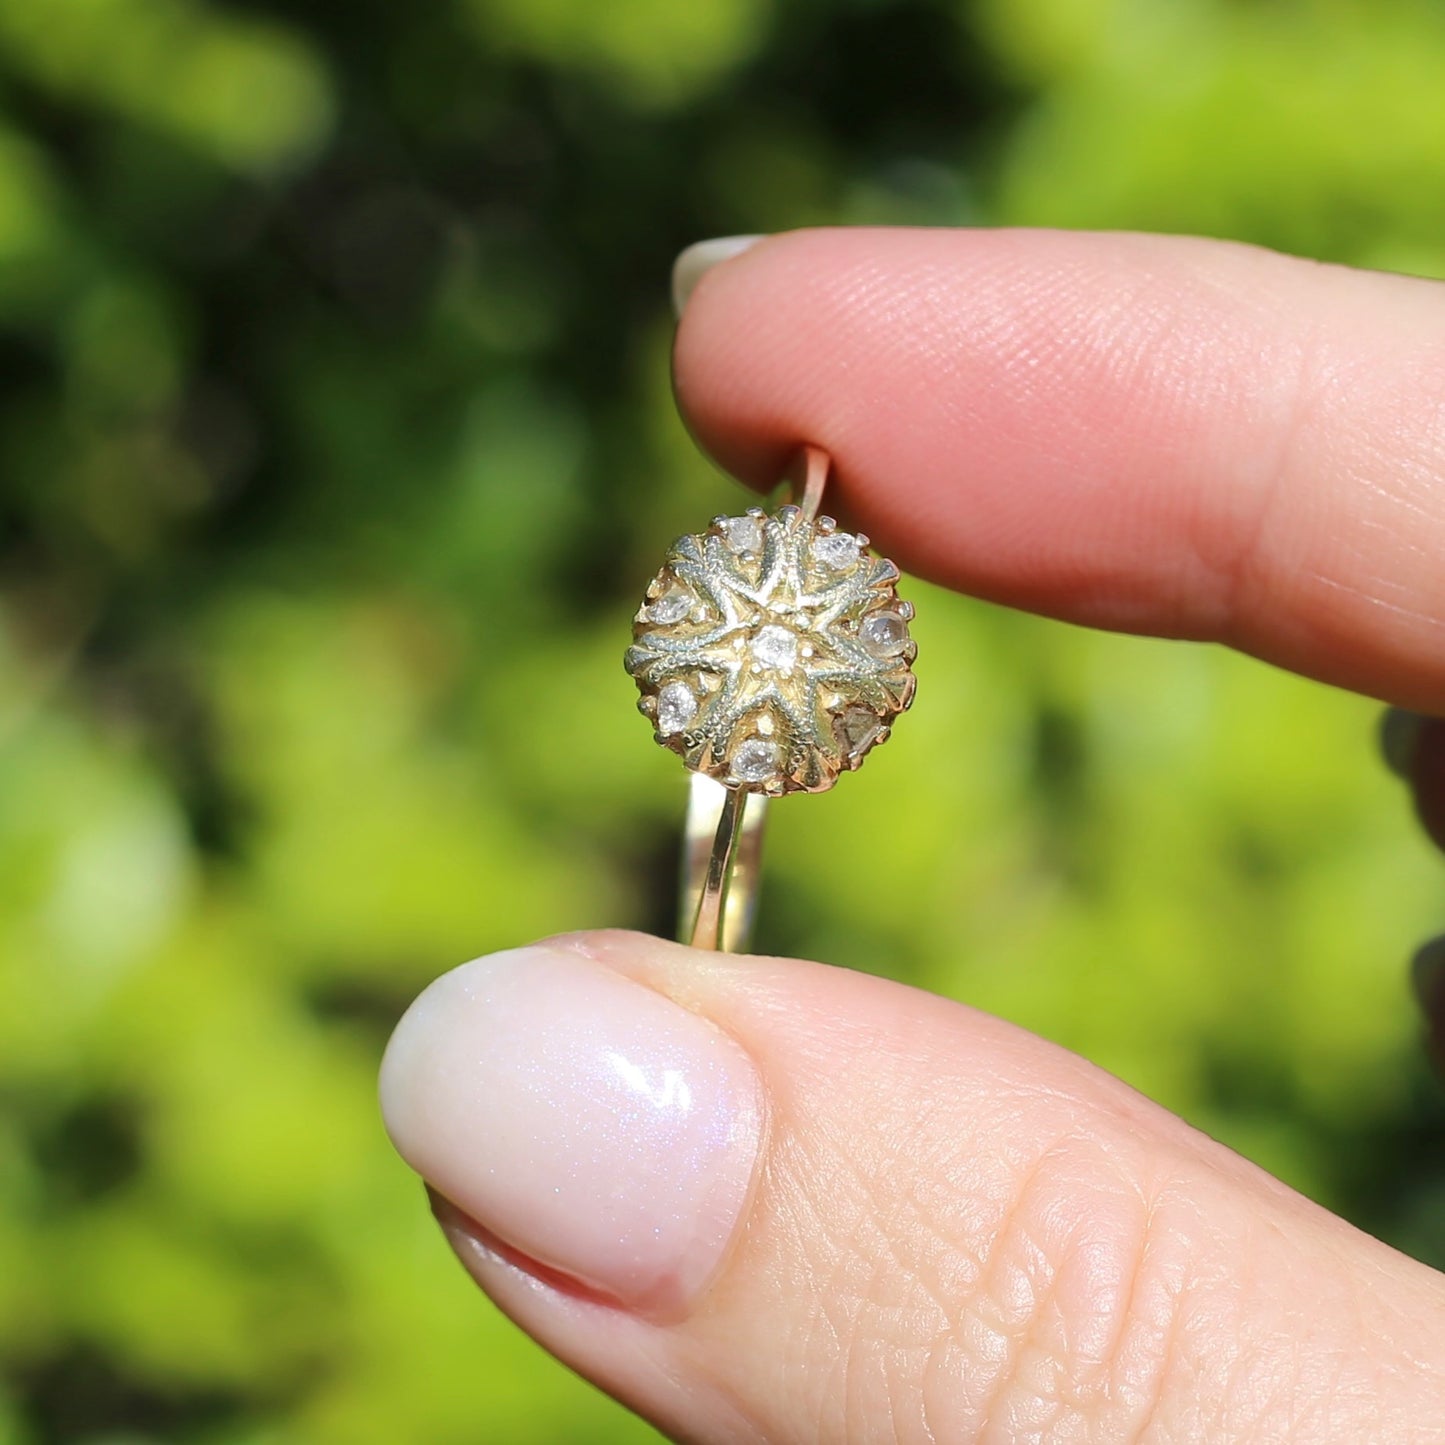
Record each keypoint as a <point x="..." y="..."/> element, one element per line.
<point x="775" y="647"/>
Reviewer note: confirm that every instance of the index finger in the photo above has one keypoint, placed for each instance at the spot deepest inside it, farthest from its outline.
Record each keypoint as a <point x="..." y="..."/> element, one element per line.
<point x="1154" y="434"/>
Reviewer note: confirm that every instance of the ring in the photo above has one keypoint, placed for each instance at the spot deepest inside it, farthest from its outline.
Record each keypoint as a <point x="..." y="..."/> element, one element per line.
<point x="772" y="653"/>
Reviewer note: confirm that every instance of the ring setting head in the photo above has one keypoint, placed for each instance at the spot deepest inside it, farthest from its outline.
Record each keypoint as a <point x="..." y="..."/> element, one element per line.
<point x="773" y="652"/>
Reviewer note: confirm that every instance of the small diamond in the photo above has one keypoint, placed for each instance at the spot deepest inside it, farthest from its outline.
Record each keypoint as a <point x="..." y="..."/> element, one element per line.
<point x="673" y="605"/>
<point x="884" y="634"/>
<point x="775" y="646"/>
<point x="857" y="727"/>
<point x="755" y="761"/>
<point x="676" y="707"/>
<point x="744" y="535"/>
<point x="838" y="550"/>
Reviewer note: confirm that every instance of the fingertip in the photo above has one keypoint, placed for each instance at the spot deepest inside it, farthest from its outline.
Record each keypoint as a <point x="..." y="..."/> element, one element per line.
<point x="1161" y="435"/>
<point x="583" y="1119"/>
<point x="938" y="1208"/>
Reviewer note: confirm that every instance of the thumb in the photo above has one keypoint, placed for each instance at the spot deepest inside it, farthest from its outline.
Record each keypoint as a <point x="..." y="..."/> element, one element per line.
<point x="762" y="1199"/>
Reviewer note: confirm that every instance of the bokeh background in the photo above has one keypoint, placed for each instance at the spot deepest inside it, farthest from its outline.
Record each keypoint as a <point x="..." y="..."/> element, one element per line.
<point x="335" y="447"/>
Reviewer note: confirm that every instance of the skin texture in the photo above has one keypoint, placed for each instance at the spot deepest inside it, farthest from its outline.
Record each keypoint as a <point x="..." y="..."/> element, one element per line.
<point x="955" y="1231"/>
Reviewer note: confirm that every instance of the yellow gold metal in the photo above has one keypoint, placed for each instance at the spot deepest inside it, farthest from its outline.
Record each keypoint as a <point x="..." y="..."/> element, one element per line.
<point x="772" y="653"/>
<point x="727" y="924"/>
<point x="709" y="925"/>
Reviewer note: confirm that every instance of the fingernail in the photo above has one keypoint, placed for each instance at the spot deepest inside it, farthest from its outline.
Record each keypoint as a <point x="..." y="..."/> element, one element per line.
<point x="1400" y="739"/>
<point x="587" y="1122"/>
<point x="699" y="258"/>
<point x="1427" y="974"/>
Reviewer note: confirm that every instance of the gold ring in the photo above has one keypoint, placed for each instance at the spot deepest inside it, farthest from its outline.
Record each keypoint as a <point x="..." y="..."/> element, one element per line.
<point x="772" y="653"/>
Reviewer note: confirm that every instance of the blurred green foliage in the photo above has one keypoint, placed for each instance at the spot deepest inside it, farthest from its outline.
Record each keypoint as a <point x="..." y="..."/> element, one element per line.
<point x="335" y="444"/>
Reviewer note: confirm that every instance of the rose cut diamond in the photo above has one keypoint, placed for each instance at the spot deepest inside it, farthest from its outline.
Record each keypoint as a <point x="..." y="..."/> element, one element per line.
<point x="672" y="606"/>
<point x="776" y="647"/>
<point x="884" y="634"/>
<point x="744" y="535"/>
<point x="836" y="550"/>
<point x="857" y="728"/>
<point x="755" y="761"/>
<point x="676" y="707"/>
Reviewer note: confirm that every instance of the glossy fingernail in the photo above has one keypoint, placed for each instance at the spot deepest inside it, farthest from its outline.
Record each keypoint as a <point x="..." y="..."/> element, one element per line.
<point x="698" y="259"/>
<point x="587" y="1122"/>
<point x="1400" y="739"/>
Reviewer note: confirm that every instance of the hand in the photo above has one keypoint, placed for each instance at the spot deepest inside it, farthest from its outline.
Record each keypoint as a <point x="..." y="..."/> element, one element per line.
<point x="760" y="1199"/>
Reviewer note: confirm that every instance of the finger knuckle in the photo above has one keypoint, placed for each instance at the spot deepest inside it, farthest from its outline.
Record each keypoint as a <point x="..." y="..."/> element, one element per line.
<point x="1072" y="1329"/>
<point x="1041" y="1302"/>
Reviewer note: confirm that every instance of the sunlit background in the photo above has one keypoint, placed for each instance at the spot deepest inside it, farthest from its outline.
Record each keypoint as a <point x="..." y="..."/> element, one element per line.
<point x="335" y="447"/>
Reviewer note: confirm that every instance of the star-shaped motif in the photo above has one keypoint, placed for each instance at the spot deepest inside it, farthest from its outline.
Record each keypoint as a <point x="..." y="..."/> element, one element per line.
<point x="773" y="652"/>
